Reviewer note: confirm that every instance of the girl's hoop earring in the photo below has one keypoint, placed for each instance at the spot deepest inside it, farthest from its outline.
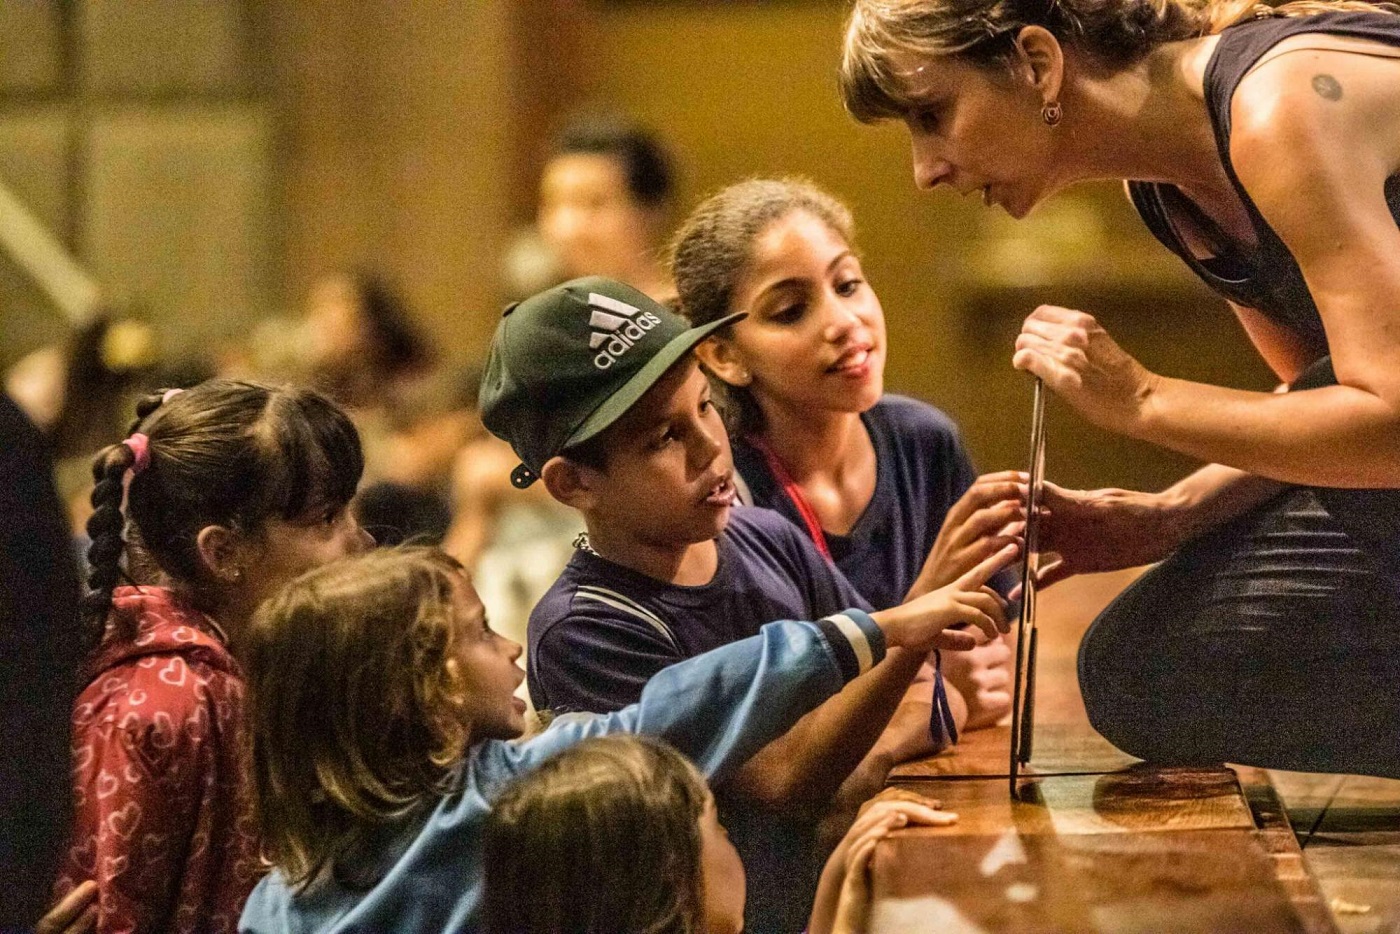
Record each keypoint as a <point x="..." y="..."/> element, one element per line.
<point x="1052" y="113"/>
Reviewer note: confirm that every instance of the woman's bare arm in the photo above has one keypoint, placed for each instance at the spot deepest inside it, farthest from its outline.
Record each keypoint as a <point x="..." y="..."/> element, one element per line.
<point x="1313" y="144"/>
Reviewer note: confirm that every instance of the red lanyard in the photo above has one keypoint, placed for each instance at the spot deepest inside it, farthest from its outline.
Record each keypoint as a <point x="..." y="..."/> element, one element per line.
<point x="794" y="493"/>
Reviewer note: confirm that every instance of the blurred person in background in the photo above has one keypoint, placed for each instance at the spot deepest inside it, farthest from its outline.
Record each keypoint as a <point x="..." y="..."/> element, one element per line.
<point x="606" y="195"/>
<point x="364" y="343"/>
<point x="362" y="346"/>
<point x="40" y="646"/>
<point x="80" y="394"/>
<point x="428" y="429"/>
<point x="605" y="207"/>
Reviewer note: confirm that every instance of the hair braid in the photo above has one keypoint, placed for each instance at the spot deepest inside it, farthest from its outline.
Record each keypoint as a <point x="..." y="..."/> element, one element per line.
<point x="105" y="528"/>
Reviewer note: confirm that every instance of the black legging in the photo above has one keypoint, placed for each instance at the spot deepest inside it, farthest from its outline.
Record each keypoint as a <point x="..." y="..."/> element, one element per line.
<point x="1271" y="640"/>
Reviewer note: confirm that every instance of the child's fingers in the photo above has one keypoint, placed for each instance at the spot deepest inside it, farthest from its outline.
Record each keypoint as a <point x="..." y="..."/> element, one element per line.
<point x="984" y="611"/>
<point x="982" y="548"/>
<point x="86" y="923"/>
<point x="72" y="908"/>
<point x="1000" y="600"/>
<point x="1016" y="530"/>
<point x="1002" y="476"/>
<point x="931" y="818"/>
<point x="919" y="812"/>
<point x="901" y="794"/>
<point x="876" y="815"/>
<point x="955" y="640"/>
<point x="992" y="626"/>
<point x="858" y="864"/>
<point x="983" y="572"/>
<point x="988" y="489"/>
<point x="990" y="518"/>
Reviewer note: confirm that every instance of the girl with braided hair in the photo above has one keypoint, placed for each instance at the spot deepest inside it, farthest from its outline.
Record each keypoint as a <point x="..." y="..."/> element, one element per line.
<point x="1261" y="144"/>
<point x="231" y="489"/>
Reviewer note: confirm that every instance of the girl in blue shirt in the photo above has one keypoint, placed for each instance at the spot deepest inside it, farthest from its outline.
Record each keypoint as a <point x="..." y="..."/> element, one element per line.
<point x="881" y="483"/>
<point x="382" y="709"/>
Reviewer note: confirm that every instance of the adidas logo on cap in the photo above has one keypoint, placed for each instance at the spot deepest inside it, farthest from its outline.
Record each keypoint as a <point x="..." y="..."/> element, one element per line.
<point x="616" y="327"/>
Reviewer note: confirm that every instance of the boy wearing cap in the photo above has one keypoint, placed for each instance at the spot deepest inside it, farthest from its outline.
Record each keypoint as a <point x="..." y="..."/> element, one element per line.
<point x="596" y="388"/>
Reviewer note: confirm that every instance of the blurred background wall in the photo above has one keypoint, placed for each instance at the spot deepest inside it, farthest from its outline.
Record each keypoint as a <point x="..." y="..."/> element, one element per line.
<point x="207" y="160"/>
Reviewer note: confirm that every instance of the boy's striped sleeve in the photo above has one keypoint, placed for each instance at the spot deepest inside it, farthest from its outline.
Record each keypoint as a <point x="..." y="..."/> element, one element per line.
<point x="855" y="640"/>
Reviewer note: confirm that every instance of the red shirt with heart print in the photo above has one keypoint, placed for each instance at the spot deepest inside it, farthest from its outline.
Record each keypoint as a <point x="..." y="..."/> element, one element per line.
<point x="163" y="808"/>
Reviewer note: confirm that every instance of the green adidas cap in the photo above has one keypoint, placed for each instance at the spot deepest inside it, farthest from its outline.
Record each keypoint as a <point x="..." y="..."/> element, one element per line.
<point x="568" y="362"/>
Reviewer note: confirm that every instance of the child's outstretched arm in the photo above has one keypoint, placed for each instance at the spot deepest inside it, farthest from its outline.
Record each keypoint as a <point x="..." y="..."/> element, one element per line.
<point x="806" y="766"/>
<point x="721" y="707"/>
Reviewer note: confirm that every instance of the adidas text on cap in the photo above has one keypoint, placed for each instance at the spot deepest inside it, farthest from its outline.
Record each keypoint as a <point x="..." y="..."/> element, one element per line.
<point x="568" y="362"/>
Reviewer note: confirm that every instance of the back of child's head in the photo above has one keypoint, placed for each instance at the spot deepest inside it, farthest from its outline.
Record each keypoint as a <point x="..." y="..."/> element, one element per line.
<point x="226" y="452"/>
<point x="713" y="250"/>
<point x="602" y="838"/>
<point x="355" y="715"/>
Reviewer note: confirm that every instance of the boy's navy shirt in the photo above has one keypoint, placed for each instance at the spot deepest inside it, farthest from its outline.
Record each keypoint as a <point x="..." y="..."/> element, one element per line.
<point x="921" y="470"/>
<point x="603" y="630"/>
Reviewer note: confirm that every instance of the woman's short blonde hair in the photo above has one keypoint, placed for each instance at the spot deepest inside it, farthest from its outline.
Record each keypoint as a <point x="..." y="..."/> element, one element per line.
<point x="356" y="719"/>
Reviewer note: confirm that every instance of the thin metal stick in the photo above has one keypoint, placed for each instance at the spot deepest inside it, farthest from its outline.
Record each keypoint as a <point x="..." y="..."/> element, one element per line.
<point x="1022" y="703"/>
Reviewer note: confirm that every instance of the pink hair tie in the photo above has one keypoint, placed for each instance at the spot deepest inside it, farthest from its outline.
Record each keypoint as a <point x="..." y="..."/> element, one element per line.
<point x="140" y="446"/>
<point x="170" y="394"/>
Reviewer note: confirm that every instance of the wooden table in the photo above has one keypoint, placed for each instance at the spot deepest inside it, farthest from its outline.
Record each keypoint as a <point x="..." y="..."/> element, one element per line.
<point x="1094" y="841"/>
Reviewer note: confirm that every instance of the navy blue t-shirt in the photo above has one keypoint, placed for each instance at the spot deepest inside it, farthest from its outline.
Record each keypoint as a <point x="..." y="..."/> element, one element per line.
<point x="921" y="470"/>
<point x="600" y="633"/>
<point x="602" y="630"/>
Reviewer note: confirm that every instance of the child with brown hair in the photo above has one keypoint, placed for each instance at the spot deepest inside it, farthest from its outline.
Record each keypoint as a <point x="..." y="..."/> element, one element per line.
<point x="599" y="391"/>
<point x="880" y="483"/>
<point x="621" y="833"/>
<point x="230" y="490"/>
<point x="383" y="708"/>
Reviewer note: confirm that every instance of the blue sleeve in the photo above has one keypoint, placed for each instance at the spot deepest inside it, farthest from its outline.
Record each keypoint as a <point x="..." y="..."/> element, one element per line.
<point x="594" y="664"/>
<point x="721" y="707"/>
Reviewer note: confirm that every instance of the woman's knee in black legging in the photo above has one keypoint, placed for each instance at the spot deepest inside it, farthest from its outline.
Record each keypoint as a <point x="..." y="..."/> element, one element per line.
<point x="1136" y="676"/>
<point x="1115" y="686"/>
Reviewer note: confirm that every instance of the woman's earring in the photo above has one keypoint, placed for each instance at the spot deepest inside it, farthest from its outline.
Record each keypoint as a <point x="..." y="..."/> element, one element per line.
<point x="1052" y="113"/>
<point x="745" y="377"/>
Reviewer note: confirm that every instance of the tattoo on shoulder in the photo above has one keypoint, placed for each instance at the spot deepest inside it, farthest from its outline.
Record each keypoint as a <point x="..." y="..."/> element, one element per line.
<point x="1328" y="87"/>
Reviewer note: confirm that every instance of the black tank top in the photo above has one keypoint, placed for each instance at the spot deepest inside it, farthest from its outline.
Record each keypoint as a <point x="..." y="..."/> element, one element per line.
<point x="1267" y="278"/>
